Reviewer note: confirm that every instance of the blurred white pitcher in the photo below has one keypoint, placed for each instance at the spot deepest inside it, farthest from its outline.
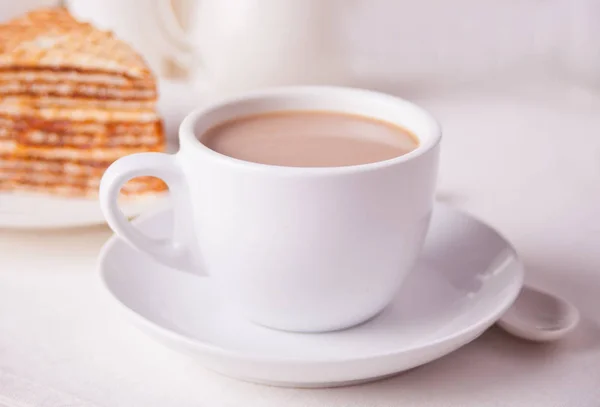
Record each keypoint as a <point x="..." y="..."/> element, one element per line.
<point x="232" y="45"/>
<point x="238" y="45"/>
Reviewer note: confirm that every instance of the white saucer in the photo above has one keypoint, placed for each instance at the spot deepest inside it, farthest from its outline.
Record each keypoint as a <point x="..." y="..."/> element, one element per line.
<point x="466" y="278"/>
<point x="31" y="211"/>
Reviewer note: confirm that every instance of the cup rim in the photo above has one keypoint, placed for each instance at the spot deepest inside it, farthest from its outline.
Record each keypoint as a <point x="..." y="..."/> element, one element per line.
<point x="188" y="139"/>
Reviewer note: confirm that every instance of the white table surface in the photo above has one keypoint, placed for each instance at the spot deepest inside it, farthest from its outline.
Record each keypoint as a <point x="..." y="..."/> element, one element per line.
<point x="528" y="163"/>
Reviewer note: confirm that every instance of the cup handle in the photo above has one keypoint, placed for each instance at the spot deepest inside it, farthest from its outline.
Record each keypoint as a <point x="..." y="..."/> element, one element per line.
<point x="175" y="251"/>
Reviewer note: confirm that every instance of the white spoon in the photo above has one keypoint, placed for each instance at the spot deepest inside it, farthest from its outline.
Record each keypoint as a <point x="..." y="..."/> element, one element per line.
<point x="539" y="316"/>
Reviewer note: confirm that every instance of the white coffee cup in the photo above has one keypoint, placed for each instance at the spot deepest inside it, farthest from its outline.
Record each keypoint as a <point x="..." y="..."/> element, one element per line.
<point x="298" y="249"/>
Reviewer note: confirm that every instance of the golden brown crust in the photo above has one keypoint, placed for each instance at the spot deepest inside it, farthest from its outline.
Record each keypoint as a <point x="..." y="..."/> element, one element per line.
<point x="81" y="181"/>
<point x="43" y="102"/>
<point x="52" y="39"/>
<point x="58" y="134"/>
<point x="35" y="74"/>
<point x="10" y="163"/>
<point x="77" y="90"/>
<point x="84" y="141"/>
<point x="59" y="167"/>
<point x="17" y="109"/>
<point x="22" y="123"/>
<point x="76" y="154"/>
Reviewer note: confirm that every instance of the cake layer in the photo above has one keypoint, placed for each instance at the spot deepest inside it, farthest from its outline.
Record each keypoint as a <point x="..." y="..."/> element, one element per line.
<point x="17" y="124"/>
<point x="87" y="181"/>
<point x="78" y="191"/>
<point x="12" y="147"/>
<point x="41" y="139"/>
<point x="75" y="89"/>
<point x="40" y="75"/>
<point x="36" y="102"/>
<point x="60" y="135"/>
<point x="9" y="163"/>
<point x="14" y="109"/>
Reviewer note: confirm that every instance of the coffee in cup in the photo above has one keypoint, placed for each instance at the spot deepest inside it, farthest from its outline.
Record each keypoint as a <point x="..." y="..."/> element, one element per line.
<point x="309" y="139"/>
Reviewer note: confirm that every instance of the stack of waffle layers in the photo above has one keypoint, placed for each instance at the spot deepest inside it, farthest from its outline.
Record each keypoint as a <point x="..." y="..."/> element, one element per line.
<point x="72" y="100"/>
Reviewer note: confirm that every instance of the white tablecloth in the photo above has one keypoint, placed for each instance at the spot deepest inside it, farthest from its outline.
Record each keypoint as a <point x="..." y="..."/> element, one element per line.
<point x="528" y="163"/>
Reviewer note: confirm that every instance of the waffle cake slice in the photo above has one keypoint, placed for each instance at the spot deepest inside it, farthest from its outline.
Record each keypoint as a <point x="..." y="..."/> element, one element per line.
<point x="47" y="52"/>
<point x="72" y="100"/>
